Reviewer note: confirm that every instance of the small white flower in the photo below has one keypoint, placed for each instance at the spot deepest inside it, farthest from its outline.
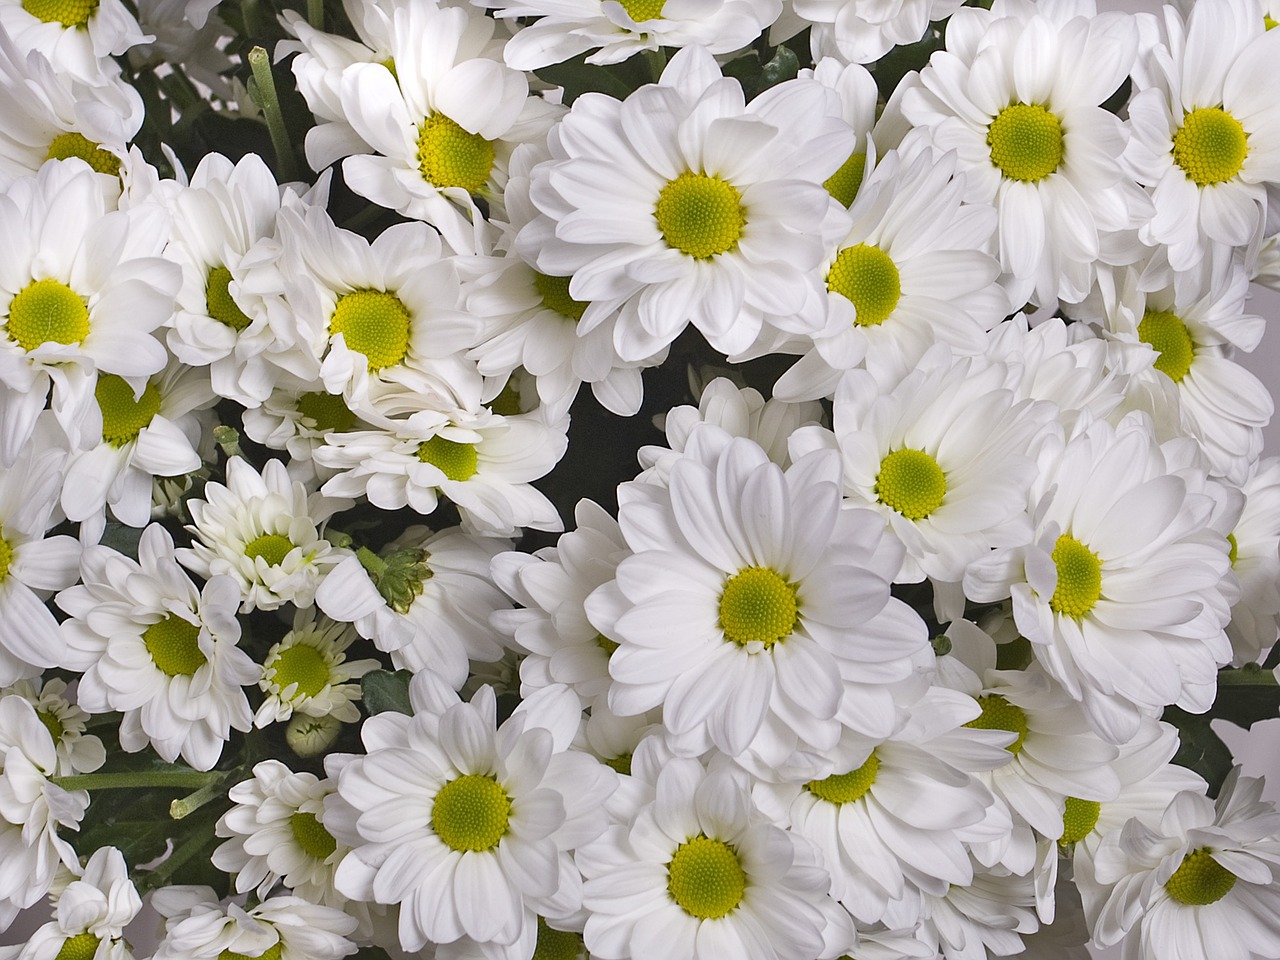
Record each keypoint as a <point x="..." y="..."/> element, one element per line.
<point x="198" y="927"/>
<point x="307" y="672"/>
<point x="78" y="752"/>
<point x="78" y="38"/>
<point x="90" y="914"/>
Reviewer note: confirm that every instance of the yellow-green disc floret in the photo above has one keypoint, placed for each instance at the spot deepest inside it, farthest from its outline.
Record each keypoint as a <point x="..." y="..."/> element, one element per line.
<point x="620" y="763"/>
<point x="457" y="461"/>
<point x="51" y="723"/>
<point x="311" y="835"/>
<point x="846" y="787"/>
<point x="1079" y="578"/>
<point x="327" y="411"/>
<point x="758" y="605"/>
<point x="271" y="953"/>
<point x="1169" y="338"/>
<point x="1210" y="146"/>
<point x="844" y="183"/>
<point x="999" y="714"/>
<point x="1026" y="142"/>
<point x="374" y="323"/>
<point x="304" y="665"/>
<point x="472" y="812"/>
<point x="1078" y="820"/>
<point x="705" y="878"/>
<point x="6" y="556"/>
<point x="449" y="156"/>
<point x="123" y="417"/>
<point x="558" y="944"/>
<point x="218" y="302"/>
<point x="700" y="215"/>
<point x="271" y="547"/>
<point x="642" y="10"/>
<point x="911" y="482"/>
<point x="47" y="311"/>
<point x="69" y="13"/>
<point x="1233" y="549"/>
<point x="555" y="296"/>
<point x="80" y="947"/>
<point x="174" y="645"/>
<point x="1200" y="880"/>
<point x="868" y="278"/>
<point x="72" y="144"/>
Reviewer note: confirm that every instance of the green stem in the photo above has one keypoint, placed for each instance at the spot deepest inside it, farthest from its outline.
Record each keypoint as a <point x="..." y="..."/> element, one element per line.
<point x="138" y="779"/>
<point x="1251" y="674"/>
<point x="315" y="14"/>
<point x="194" y="801"/>
<point x="657" y="62"/>
<point x="269" y="100"/>
<point x="371" y="562"/>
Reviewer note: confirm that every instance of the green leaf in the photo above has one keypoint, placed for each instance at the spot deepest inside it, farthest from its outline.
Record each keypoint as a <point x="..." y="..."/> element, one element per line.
<point x="121" y="538"/>
<point x="1200" y="749"/>
<point x="783" y="66"/>
<point x="1246" y="695"/>
<point x="577" y="77"/>
<point x="385" y="691"/>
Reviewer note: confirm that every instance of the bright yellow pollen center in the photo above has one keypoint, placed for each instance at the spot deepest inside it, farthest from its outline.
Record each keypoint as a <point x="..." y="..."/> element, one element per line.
<point x="844" y="183"/>
<point x="1170" y="339"/>
<point x="219" y="303"/>
<point x="46" y="311"/>
<point x="374" y="323"/>
<point x="123" y="417"/>
<point x="642" y="10"/>
<point x="705" y="878"/>
<point x="174" y="646"/>
<point x="271" y="547"/>
<point x="911" y="482"/>
<point x="999" y="714"/>
<point x="700" y="215"/>
<point x="311" y="835"/>
<point x="869" y="279"/>
<point x="72" y="144"/>
<point x="457" y="461"/>
<point x="449" y="156"/>
<point x="1026" y="142"/>
<point x="555" y="296"/>
<point x="1267" y="21"/>
<point x="757" y="605"/>
<point x="327" y="411"/>
<point x="80" y="947"/>
<point x="558" y="944"/>
<point x="1200" y="880"/>
<point x="271" y="953"/>
<point x="1078" y="820"/>
<point x="6" y="556"/>
<point x="1233" y="549"/>
<point x="846" y="787"/>
<point x="1210" y="146"/>
<point x="304" y="665"/>
<point x="1079" y="578"/>
<point x="471" y="813"/>
<point x="51" y="723"/>
<point x="69" y="13"/>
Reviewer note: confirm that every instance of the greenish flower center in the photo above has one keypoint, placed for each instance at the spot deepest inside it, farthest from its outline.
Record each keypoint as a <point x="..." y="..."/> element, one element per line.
<point x="1079" y="578"/>
<point x="1233" y="549"/>
<point x="1267" y="21"/>
<point x="174" y="645"/>
<point x="311" y="835"/>
<point x="304" y="665"/>
<point x="844" y="183"/>
<point x="6" y="556"/>
<point x="911" y="482"/>
<point x="999" y="714"/>
<point x="123" y="417"/>
<point x="846" y="787"/>
<point x="868" y="278"/>
<point x="1210" y="146"/>
<point x="1169" y="338"/>
<point x="757" y="605"/>
<point x="621" y="763"/>
<point x="1200" y="880"/>
<point x="218" y="302"/>
<point x="555" y="296"/>
<point x="271" y="547"/>
<point x="605" y="644"/>
<point x="449" y="156"/>
<point x="80" y="947"/>
<point x="705" y="878"/>
<point x="558" y="944"/>
<point x="472" y="812"/>
<point x="642" y="10"/>
<point x="51" y="723"/>
<point x="46" y="311"/>
<point x="69" y="13"/>
<point x="72" y="144"/>
<point x="328" y="412"/>
<point x="700" y="215"/>
<point x="457" y="461"/>
<point x="374" y="323"/>
<point x="1026" y="142"/>
<point x="1078" y="820"/>
<point x="271" y="953"/>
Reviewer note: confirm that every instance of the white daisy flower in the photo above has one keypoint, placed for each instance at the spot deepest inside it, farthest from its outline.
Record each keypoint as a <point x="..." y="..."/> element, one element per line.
<point x="189" y="34"/>
<point x="89" y="914"/>
<point x="864" y="31"/>
<point x="78" y="37"/>
<point x="81" y="290"/>
<point x="684" y="205"/>
<point x="1032" y="138"/>
<point x="308" y="672"/>
<point x="77" y="751"/>
<point x="154" y="647"/>
<point x="1203" y="883"/>
<point x="198" y="927"/>
<point x="294" y="418"/>
<point x="1255" y="560"/>
<point x="263" y="530"/>
<point x="987" y="918"/>
<point x="1204" y="128"/>
<point x="859" y="98"/>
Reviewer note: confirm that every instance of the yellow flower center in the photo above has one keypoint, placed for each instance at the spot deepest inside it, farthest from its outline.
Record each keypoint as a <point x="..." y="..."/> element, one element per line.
<point x="304" y="665"/>
<point x="80" y="947"/>
<point x="271" y="547"/>
<point x="311" y="835"/>
<point x="1078" y="820"/>
<point x="174" y="646"/>
<point x="328" y="412"/>
<point x="374" y="323"/>
<point x="705" y="878"/>
<point x="6" y="556"/>
<point x="1026" y="142"/>
<point x="911" y="482"/>
<point x="844" y="183"/>
<point x="51" y="723"/>
<point x="46" y="311"/>
<point x="558" y="944"/>
<point x="69" y="13"/>
<point x="869" y="279"/>
<point x="68" y="145"/>
<point x="123" y="417"/>
<point x="555" y="296"/>
<point x="271" y="953"/>
<point x="846" y="787"/>
<point x="457" y="461"/>
<point x="1079" y="578"/>
<point x="642" y="10"/>
<point x="1170" y="339"/>
<point x="1267" y="21"/>
<point x="449" y="156"/>
<point x="999" y="714"/>
<point x="1200" y="881"/>
<point x="700" y="215"/>
<point x="757" y="605"/>
<point x="1233" y="549"/>
<point x="219" y="303"/>
<point x="1210" y="146"/>
<point x="471" y="813"/>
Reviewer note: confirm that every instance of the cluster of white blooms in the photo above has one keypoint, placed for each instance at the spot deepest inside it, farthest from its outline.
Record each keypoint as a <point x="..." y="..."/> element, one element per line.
<point x="892" y="664"/>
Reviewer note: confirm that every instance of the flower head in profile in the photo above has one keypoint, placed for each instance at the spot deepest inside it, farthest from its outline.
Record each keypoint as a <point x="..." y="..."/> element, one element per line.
<point x="90" y="913"/>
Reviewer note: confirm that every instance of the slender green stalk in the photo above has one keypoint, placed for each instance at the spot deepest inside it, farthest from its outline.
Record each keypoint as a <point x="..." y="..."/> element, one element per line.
<point x="194" y="801"/>
<point x="269" y="100"/>
<point x="138" y="779"/>
<point x="1249" y="675"/>
<point x="315" y="14"/>
<point x="657" y="62"/>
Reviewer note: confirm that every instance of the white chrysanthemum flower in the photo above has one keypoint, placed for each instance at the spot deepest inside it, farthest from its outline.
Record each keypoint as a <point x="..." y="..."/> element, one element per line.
<point x="77" y="751"/>
<point x="90" y="914"/>
<point x="188" y="34"/>
<point x="295" y="418"/>
<point x="985" y="919"/>
<point x="736" y="612"/>
<point x="1120" y="589"/>
<point x="263" y="530"/>
<point x="1032" y="137"/>
<point x="682" y="204"/>
<point x="859" y="95"/>
<point x="78" y="37"/>
<point x="153" y="646"/>
<point x="540" y="940"/>
<point x="308" y="672"/>
<point x="863" y="31"/>
<point x="467" y="825"/>
<point x="198" y="927"/>
<point x="1255" y="560"/>
<point x="426" y="599"/>
<point x="82" y="290"/>
<point x="1204" y="882"/>
<point x="1203" y="125"/>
